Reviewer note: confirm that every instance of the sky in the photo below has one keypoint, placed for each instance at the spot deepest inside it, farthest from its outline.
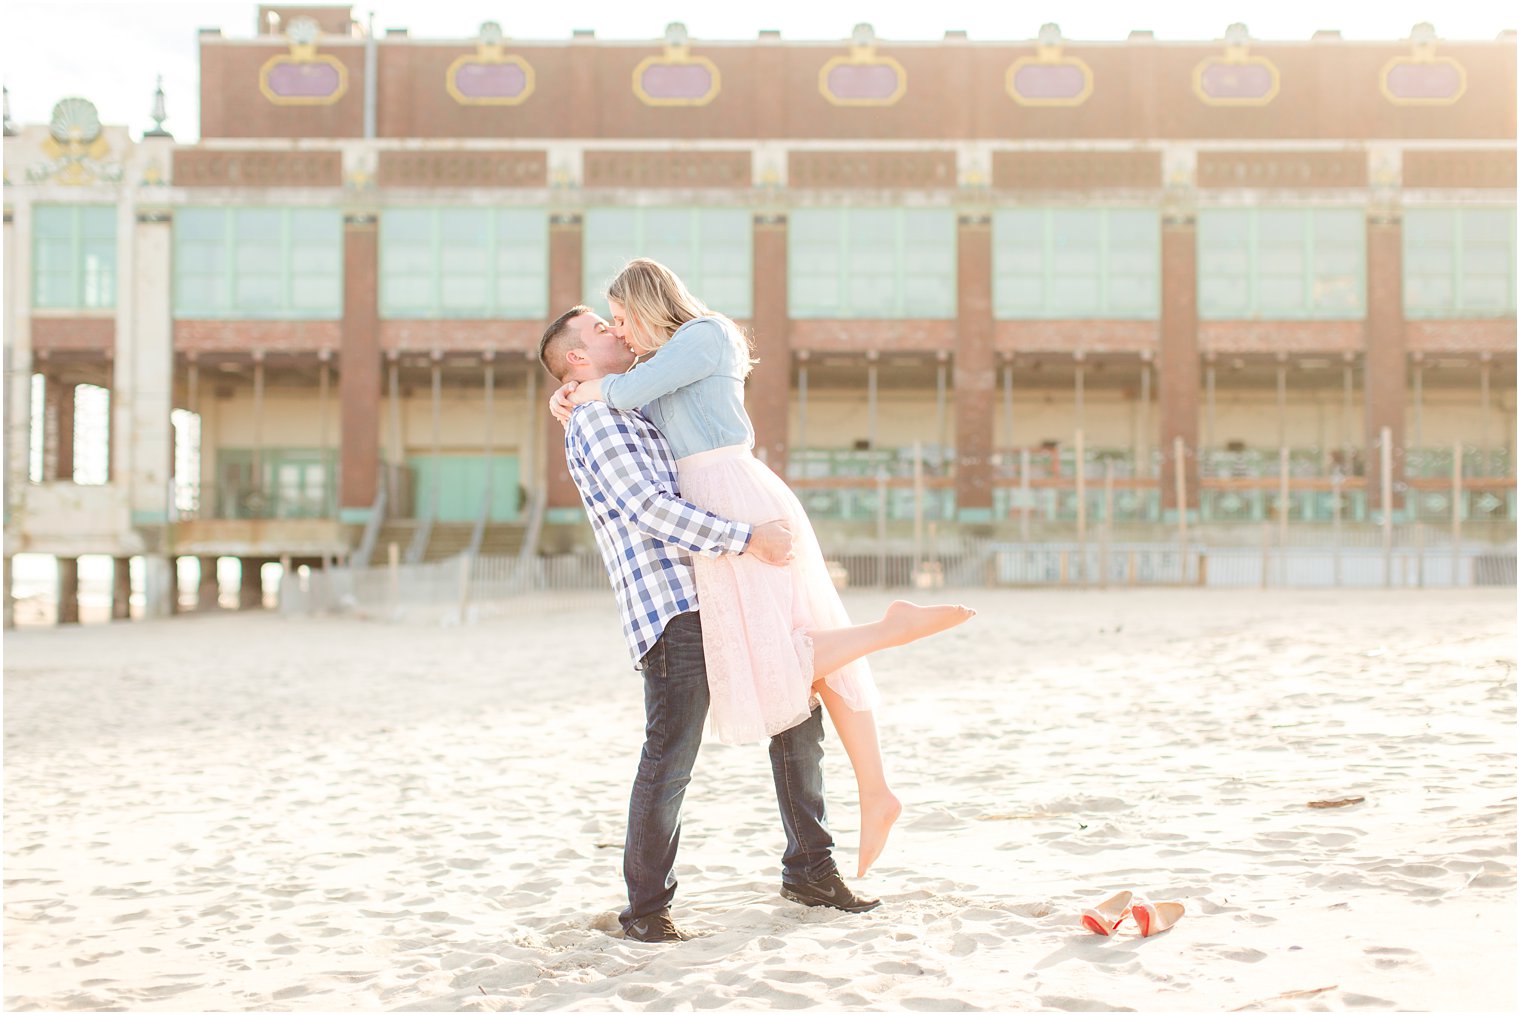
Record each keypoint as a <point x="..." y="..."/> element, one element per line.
<point x="111" y="51"/>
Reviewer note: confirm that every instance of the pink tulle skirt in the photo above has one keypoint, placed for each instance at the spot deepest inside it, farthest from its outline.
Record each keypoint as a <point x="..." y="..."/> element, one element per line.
<point x="756" y="617"/>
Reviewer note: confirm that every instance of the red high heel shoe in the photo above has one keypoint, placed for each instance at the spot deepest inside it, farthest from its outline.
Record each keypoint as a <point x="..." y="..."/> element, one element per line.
<point x="1155" y="917"/>
<point x="1105" y="917"/>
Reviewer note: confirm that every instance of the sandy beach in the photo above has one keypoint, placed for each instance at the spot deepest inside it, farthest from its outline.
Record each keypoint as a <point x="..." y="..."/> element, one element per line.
<point x="250" y="812"/>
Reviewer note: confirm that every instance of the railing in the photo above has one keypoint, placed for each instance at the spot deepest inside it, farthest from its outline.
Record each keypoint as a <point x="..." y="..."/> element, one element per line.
<point x="228" y="501"/>
<point x="537" y="509"/>
<point x="424" y="532"/>
<point x="478" y="532"/>
<point x="1052" y="484"/>
<point x="372" y="526"/>
<point x="457" y="589"/>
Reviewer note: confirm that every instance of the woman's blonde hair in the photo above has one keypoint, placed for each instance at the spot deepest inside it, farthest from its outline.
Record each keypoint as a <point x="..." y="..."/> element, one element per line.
<point x="656" y="302"/>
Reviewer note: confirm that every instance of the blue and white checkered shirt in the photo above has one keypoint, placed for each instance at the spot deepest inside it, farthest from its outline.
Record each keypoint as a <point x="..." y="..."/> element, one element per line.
<point x="622" y="465"/>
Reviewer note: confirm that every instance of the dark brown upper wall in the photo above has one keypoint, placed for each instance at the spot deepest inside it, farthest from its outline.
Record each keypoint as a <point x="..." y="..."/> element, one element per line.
<point x="1141" y="90"/>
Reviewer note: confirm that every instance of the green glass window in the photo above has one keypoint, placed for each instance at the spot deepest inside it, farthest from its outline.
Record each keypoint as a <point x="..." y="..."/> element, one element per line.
<point x="74" y="256"/>
<point x="248" y="263"/>
<point x="1459" y="262"/>
<point x="871" y="263"/>
<point x="711" y="249"/>
<point x="294" y="483"/>
<point x="1076" y="263"/>
<point x="464" y="263"/>
<point x="1282" y="263"/>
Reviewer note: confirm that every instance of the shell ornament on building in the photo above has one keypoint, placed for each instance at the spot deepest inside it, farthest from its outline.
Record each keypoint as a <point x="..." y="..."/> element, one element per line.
<point x="303" y="77"/>
<point x="489" y="76"/>
<point x="1048" y="78"/>
<point x="1422" y="78"/>
<point x="74" y="121"/>
<point x="77" y="146"/>
<point x="676" y="78"/>
<point x="863" y="78"/>
<point x="1236" y="78"/>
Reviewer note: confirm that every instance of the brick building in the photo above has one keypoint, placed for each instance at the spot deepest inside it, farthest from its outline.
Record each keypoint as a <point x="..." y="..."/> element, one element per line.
<point x="985" y="252"/>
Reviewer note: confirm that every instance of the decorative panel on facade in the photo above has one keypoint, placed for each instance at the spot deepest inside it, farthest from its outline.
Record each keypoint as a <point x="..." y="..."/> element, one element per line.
<point x="490" y="76"/>
<point x="1043" y="170"/>
<point x="1049" y="78"/>
<point x="871" y="170"/>
<point x="1236" y="77"/>
<point x="1460" y="170"/>
<point x="1422" y="78"/>
<point x="863" y="78"/>
<point x="73" y="334"/>
<point x="303" y="77"/>
<point x="213" y="168"/>
<point x="1288" y="170"/>
<point x="664" y="169"/>
<point x="675" y="77"/>
<point x="463" y="169"/>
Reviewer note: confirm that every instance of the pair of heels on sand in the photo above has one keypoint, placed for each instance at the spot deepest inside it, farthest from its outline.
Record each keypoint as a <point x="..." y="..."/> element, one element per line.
<point x="1150" y="917"/>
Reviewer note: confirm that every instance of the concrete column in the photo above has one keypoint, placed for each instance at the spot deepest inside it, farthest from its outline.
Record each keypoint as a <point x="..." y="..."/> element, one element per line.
<point x="251" y="583"/>
<point x="1179" y="356"/>
<point x="1386" y="361"/>
<point x="174" y="605"/>
<point x="160" y="585"/>
<point x="359" y="376"/>
<point x="974" y="370"/>
<point x="121" y="588"/>
<point x="207" y="591"/>
<point x="565" y="282"/>
<point x="142" y="395"/>
<point x="10" y="596"/>
<point x="68" y="590"/>
<point x="17" y="332"/>
<point x="769" y="390"/>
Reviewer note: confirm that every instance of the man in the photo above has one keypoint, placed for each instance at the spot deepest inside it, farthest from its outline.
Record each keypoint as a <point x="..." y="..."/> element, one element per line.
<point x="623" y="468"/>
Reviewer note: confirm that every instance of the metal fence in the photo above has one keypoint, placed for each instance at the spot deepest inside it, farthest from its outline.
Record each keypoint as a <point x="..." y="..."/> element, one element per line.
<point x="454" y="590"/>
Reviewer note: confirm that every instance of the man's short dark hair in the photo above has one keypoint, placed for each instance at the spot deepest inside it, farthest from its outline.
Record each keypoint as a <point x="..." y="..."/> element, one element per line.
<point x="558" y="340"/>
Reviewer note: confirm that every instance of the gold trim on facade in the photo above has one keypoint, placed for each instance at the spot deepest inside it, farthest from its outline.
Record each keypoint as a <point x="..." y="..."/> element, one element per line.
<point x="492" y="55"/>
<point x="676" y="56"/>
<point x="303" y="54"/>
<point x="1049" y="60"/>
<point x="862" y="56"/>
<point x="1422" y="59"/>
<point x="1240" y="60"/>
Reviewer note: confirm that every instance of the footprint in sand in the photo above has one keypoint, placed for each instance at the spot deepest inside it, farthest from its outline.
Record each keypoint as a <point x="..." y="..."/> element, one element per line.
<point x="1393" y="958"/>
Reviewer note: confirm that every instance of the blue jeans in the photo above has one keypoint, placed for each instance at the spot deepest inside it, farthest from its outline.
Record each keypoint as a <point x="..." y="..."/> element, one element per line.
<point x="675" y="707"/>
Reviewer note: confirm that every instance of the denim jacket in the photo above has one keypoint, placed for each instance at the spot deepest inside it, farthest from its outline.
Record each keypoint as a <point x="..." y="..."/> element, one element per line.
<point x="692" y="388"/>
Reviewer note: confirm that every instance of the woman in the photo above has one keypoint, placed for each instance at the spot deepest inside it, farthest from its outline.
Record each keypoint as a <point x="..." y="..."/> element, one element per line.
<point x="772" y="636"/>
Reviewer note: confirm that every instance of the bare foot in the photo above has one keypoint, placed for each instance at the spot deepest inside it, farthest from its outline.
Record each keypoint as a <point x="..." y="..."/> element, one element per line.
<point x="907" y="621"/>
<point x="877" y="813"/>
